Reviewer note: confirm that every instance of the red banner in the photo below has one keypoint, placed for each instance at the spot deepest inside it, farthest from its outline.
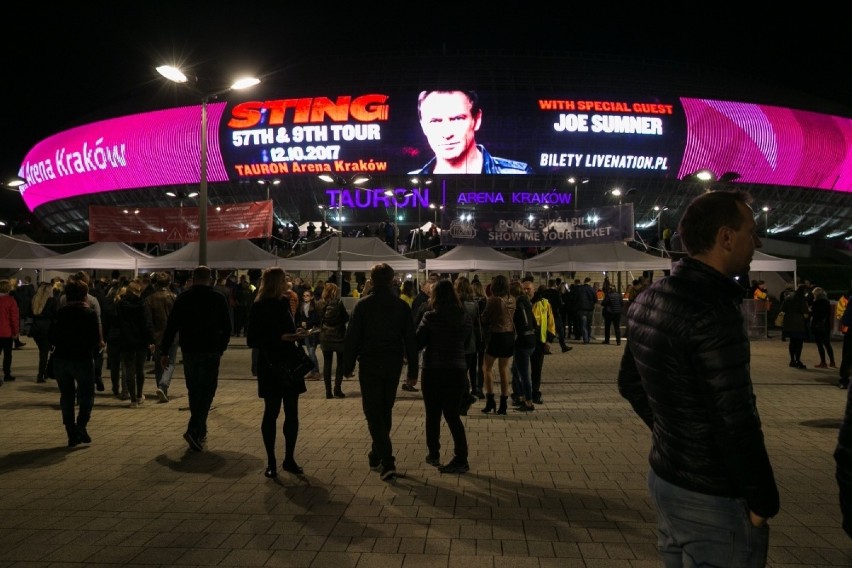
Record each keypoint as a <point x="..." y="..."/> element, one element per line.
<point x="251" y="220"/>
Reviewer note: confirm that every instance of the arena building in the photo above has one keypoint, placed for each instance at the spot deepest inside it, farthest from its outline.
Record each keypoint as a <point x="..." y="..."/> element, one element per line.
<point x="588" y="141"/>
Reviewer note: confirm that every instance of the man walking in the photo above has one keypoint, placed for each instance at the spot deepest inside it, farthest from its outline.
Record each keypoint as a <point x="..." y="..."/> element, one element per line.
<point x="158" y="306"/>
<point x="200" y="319"/>
<point x="381" y="338"/>
<point x="686" y="373"/>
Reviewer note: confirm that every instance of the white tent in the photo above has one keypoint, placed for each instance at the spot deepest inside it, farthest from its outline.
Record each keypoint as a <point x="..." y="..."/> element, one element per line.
<point x="610" y="257"/>
<point x="237" y="254"/>
<point x="20" y="251"/>
<point x="466" y="258"/>
<point x="100" y="255"/>
<point x="762" y="262"/>
<point x="358" y="254"/>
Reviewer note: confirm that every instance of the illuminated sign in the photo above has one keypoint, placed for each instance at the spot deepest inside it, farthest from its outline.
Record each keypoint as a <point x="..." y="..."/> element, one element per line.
<point x="385" y="133"/>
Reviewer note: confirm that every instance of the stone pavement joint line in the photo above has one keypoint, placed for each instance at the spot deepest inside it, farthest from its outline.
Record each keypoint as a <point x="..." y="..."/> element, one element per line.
<point x="561" y="486"/>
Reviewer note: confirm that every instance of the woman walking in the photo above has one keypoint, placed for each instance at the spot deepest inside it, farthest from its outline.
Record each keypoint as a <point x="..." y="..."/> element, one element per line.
<point x="497" y="317"/>
<point x="443" y="332"/>
<point x="44" y="307"/>
<point x="136" y="341"/>
<point x="272" y="331"/>
<point x="796" y="316"/>
<point x="821" y="327"/>
<point x="308" y="318"/>
<point x="332" y="333"/>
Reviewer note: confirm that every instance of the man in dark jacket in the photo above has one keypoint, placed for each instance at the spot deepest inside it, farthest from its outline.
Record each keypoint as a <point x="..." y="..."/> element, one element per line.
<point x="585" y="301"/>
<point x="843" y="458"/>
<point x="200" y="318"/>
<point x="381" y="338"/>
<point x="685" y="371"/>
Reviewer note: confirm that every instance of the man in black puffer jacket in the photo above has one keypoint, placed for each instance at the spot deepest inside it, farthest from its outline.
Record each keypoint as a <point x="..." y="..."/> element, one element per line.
<point x="686" y="373"/>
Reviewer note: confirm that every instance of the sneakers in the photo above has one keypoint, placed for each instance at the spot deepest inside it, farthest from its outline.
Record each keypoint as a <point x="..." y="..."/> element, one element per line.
<point x="538" y="400"/>
<point x="375" y="464"/>
<point x="843" y="384"/>
<point x="134" y="404"/>
<point x="821" y="366"/>
<point x="193" y="442"/>
<point x="141" y="398"/>
<point x="566" y="348"/>
<point x="162" y="395"/>
<point x="408" y="388"/>
<point x="388" y="474"/>
<point x="433" y="460"/>
<point x="455" y="466"/>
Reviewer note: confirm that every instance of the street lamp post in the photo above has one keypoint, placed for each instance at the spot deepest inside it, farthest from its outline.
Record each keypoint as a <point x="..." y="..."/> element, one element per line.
<point x="356" y="179"/>
<point x="175" y="74"/>
<point x="766" y="221"/>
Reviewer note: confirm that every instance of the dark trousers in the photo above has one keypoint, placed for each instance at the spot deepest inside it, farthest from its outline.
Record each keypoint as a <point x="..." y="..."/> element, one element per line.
<point x="76" y="380"/>
<point x="823" y="343"/>
<point x="6" y="346"/>
<point x="268" y="425"/>
<point x="133" y="363"/>
<point x="201" y="371"/>
<point x="43" y="350"/>
<point x="536" y="364"/>
<point x="613" y="320"/>
<point x="114" y="366"/>
<point x="846" y="361"/>
<point x="379" y="383"/>
<point x="327" y="360"/>
<point x="442" y="395"/>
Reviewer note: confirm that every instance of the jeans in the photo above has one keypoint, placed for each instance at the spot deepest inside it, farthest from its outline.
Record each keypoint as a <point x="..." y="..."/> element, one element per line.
<point x="76" y="380"/>
<point x="705" y="530"/>
<point x="586" y="325"/>
<point x="311" y="348"/>
<point x="201" y="371"/>
<point x="521" y="378"/>
<point x="379" y="383"/>
<point x="442" y="395"/>
<point x="163" y="375"/>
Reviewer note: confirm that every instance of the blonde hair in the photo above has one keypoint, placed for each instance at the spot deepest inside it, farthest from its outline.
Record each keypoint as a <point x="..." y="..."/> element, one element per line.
<point x="329" y="292"/>
<point x="43" y="293"/>
<point x="272" y="284"/>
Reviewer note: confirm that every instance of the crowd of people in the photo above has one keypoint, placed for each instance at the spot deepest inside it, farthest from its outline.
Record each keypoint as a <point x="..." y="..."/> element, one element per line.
<point x="685" y="368"/>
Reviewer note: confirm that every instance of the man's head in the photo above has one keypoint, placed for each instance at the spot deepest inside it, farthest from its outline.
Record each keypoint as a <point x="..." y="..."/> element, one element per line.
<point x="381" y="275"/>
<point x="427" y="285"/>
<point x="161" y="280"/>
<point x="201" y="276"/>
<point x="718" y="228"/>
<point x="449" y="120"/>
<point x="528" y="287"/>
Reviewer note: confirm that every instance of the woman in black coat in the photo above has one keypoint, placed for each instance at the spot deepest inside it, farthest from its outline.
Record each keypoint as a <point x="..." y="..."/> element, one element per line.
<point x="273" y="332"/>
<point x="796" y="323"/>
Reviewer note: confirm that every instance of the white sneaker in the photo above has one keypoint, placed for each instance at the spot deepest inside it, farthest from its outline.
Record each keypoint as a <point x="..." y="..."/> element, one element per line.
<point x="141" y="398"/>
<point x="161" y="394"/>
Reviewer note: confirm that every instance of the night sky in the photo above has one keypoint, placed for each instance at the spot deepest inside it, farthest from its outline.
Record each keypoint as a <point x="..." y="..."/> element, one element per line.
<point x="73" y="63"/>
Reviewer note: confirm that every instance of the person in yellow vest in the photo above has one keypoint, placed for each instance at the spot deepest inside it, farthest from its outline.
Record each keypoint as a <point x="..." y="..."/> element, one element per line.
<point x="543" y="313"/>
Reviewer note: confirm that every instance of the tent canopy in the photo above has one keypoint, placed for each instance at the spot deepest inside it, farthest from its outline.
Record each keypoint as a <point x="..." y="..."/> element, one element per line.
<point x="100" y="255"/>
<point x="20" y="251"/>
<point x="762" y="262"/>
<point x="609" y="257"/>
<point x="466" y="258"/>
<point x="358" y="254"/>
<point x="236" y="254"/>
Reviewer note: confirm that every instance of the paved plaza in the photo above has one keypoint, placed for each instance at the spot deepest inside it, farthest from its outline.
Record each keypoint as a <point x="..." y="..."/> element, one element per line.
<point x="563" y="486"/>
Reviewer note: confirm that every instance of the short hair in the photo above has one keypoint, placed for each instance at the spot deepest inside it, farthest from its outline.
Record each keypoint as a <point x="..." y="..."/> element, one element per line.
<point x="5" y="286"/>
<point x="76" y="291"/>
<point x="134" y="288"/>
<point x="381" y="275"/>
<point x="500" y="285"/>
<point x="708" y="213"/>
<point x="201" y="275"/>
<point x="161" y="280"/>
<point x="475" y="109"/>
<point x="82" y="276"/>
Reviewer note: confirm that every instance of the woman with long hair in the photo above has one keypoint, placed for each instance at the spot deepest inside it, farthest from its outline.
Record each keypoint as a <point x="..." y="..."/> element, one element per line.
<point x="497" y="317"/>
<point x="272" y="331"/>
<point x="443" y="332"/>
<point x="471" y="306"/>
<point x="44" y="310"/>
<point x="308" y="318"/>
<point x="332" y="333"/>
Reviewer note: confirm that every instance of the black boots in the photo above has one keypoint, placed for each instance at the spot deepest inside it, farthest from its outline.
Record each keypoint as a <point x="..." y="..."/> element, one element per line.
<point x="502" y="409"/>
<point x="73" y="436"/>
<point x="489" y="403"/>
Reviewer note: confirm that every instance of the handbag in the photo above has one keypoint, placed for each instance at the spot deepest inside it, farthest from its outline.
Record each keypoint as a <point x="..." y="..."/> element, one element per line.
<point x="292" y="368"/>
<point x="779" y="319"/>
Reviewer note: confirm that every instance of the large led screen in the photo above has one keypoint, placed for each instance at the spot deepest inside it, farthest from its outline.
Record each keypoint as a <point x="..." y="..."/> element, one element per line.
<point x="400" y="133"/>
